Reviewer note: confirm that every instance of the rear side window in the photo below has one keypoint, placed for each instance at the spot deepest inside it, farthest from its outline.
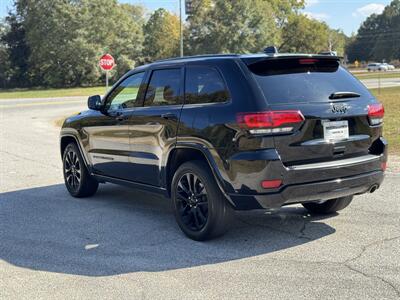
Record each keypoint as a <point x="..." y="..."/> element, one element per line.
<point x="164" y="88"/>
<point x="304" y="80"/>
<point x="204" y="85"/>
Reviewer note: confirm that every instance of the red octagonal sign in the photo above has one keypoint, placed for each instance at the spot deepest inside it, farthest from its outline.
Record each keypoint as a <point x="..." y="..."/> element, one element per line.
<point x="107" y="62"/>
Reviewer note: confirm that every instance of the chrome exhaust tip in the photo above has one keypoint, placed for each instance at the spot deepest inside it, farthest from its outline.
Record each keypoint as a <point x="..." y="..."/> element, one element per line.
<point x="373" y="188"/>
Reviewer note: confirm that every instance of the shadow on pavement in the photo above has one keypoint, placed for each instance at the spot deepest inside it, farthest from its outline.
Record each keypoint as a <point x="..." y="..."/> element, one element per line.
<point x="122" y="231"/>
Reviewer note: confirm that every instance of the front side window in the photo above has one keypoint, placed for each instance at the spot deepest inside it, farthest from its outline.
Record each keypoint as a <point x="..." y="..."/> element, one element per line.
<point x="204" y="85"/>
<point x="126" y="93"/>
<point x="164" y="88"/>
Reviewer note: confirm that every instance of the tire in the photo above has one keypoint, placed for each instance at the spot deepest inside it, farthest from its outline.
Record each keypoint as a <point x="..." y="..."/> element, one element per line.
<point x="329" y="206"/>
<point x="201" y="210"/>
<point x="78" y="181"/>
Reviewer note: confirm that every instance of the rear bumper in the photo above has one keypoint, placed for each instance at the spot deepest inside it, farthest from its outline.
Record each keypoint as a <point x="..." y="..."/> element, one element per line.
<point x="319" y="190"/>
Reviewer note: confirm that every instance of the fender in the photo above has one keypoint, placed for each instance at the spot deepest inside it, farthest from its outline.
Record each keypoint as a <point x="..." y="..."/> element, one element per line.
<point x="70" y="132"/>
<point x="222" y="183"/>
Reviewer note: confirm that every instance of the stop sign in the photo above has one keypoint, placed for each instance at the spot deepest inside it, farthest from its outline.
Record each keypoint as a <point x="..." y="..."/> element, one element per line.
<point x="107" y="62"/>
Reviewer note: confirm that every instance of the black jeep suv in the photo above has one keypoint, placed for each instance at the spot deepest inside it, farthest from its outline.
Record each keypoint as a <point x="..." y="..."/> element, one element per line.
<point x="231" y="132"/>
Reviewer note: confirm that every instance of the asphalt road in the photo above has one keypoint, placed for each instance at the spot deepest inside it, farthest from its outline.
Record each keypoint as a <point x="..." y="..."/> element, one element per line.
<point x="374" y="83"/>
<point x="124" y="244"/>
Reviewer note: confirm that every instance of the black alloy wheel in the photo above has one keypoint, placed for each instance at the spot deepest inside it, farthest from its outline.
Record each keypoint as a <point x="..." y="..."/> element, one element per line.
<point x="193" y="203"/>
<point x="201" y="210"/>
<point x="72" y="170"/>
<point x="77" y="178"/>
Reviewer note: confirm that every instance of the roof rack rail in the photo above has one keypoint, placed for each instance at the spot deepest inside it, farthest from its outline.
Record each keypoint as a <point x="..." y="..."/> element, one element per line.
<point x="195" y="56"/>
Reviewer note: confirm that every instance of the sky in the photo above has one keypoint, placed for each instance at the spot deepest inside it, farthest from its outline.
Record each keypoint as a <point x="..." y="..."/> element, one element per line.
<point x="338" y="14"/>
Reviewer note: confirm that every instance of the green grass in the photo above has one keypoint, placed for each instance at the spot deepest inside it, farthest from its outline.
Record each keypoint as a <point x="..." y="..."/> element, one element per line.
<point x="390" y="97"/>
<point x="49" y="93"/>
<point x="376" y="75"/>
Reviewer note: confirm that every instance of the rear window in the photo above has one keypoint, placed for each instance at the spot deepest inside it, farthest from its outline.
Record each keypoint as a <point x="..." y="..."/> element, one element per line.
<point x="304" y="80"/>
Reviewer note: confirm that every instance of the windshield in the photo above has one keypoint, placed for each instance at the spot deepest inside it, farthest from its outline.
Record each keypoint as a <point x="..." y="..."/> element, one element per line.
<point x="304" y="80"/>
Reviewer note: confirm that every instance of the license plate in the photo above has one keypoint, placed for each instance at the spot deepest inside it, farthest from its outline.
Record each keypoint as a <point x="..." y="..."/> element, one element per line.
<point x="335" y="131"/>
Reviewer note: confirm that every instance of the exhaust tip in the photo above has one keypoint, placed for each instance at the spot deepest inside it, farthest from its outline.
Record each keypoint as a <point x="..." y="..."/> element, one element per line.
<point x="373" y="188"/>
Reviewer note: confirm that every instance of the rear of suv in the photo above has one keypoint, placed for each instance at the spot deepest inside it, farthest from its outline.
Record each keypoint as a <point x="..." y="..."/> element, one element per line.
<point x="231" y="132"/>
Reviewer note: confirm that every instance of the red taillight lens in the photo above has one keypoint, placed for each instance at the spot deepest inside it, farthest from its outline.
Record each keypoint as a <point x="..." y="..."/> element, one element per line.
<point x="376" y="113"/>
<point x="270" y="119"/>
<point x="384" y="166"/>
<point x="271" y="184"/>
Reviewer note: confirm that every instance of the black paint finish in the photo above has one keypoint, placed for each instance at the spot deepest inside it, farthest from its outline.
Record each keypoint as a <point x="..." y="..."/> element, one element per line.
<point x="134" y="146"/>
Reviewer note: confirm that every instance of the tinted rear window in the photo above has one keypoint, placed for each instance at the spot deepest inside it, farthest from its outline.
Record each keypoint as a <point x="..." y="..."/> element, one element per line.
<point x="302" y="80"/>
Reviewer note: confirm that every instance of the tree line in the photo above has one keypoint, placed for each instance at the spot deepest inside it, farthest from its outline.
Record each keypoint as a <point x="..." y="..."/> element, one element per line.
<point x="378" y="38"/>
<point x="57" y="43"/>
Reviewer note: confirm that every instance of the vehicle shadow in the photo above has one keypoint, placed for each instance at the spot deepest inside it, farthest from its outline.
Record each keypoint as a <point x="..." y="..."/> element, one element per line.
<point x="120" y="230"/>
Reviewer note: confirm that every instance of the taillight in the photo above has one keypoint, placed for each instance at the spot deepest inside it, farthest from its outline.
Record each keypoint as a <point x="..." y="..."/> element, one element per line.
<point x="376" y="113"/>
<point x="267" y="122"/>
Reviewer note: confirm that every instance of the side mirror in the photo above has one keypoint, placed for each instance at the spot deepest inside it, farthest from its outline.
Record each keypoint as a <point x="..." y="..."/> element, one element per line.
<point x="94" y="102"/>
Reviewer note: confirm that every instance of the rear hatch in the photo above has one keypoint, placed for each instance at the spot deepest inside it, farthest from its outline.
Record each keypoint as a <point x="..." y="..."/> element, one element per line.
<point x="338" y="110"/>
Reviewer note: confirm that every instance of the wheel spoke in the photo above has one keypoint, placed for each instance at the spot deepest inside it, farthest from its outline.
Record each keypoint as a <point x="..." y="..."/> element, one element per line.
<point x="189" y="182"/>
<point x="182" y="198"/>
<point x="196" y="181"/>
<point x="183" y="187"/>
<point x="201" y="215"/>
<point x="196" y="219"/>
<point x="68" y="160"/>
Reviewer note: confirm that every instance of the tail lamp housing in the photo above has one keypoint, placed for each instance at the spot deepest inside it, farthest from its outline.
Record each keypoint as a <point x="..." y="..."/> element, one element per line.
<point x="271" y="122"/>
<point x="376" y="113"/>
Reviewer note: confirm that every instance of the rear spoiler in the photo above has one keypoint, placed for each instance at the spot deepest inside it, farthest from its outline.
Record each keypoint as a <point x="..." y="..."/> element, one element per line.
<point x="254" y="60"/>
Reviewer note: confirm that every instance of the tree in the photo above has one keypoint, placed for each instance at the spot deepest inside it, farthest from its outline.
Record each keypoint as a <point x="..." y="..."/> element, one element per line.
<point x="305" y="35"/>
<point x="161" y="35"/>
<point x="378" y="38"/>
<point x="219" y="26"/>
<point x="15" y="52"/>
<point x="387" y="46"/>
<point x="67" y="37"/>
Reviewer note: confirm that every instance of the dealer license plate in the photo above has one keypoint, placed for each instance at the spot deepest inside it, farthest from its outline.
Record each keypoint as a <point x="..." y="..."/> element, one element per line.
<point x="336" y="131"/>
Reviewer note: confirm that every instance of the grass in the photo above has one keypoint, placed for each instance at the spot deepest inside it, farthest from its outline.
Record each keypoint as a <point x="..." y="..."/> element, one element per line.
<point x="377" y="75"/>
<point x="49" y="93"/>
<point x="390" y="97"/>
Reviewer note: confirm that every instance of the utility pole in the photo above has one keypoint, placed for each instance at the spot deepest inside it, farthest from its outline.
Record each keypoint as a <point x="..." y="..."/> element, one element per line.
<point x="180" y="27"/>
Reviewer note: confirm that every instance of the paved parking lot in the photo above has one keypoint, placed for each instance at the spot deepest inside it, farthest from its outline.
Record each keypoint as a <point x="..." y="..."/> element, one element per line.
<point x="125" y="244"/>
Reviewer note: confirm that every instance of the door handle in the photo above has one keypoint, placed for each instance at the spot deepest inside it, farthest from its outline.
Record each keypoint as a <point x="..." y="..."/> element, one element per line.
<point x="121" y="118"/>
<point x="169" y="116"/>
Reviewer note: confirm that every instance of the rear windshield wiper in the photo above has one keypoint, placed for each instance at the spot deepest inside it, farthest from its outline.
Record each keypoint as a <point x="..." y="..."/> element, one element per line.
<point x="340" y="95"/>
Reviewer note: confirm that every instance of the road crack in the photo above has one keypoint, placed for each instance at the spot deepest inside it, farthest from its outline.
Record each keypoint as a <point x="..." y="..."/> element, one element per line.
<point x="348" y="262"/>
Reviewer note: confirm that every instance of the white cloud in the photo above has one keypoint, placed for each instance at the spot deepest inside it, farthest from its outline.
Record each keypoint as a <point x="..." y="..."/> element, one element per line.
<point x="369" y="9"/>
<point x="310" y="2"/>
<point x="316" y="16"/>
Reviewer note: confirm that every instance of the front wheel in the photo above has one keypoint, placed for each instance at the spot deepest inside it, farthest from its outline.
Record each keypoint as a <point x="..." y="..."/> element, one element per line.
<point x="201" y="210"/>
<point x="77" y="179"/>
<point x="328" y="206"/>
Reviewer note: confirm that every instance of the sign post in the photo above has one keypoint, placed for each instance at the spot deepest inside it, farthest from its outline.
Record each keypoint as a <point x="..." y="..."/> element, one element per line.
<point x="107" y="63"/>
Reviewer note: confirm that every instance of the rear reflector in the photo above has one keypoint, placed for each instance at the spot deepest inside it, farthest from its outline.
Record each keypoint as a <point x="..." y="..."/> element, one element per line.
<point x="271" y="184"/>
<point x="376" y="113"/>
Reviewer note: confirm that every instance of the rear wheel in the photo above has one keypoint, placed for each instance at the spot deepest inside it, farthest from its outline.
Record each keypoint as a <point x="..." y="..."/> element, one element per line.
<point x="201" y="210"/>
<point x="328" y="206"/>
<point x="77" y="179"/>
